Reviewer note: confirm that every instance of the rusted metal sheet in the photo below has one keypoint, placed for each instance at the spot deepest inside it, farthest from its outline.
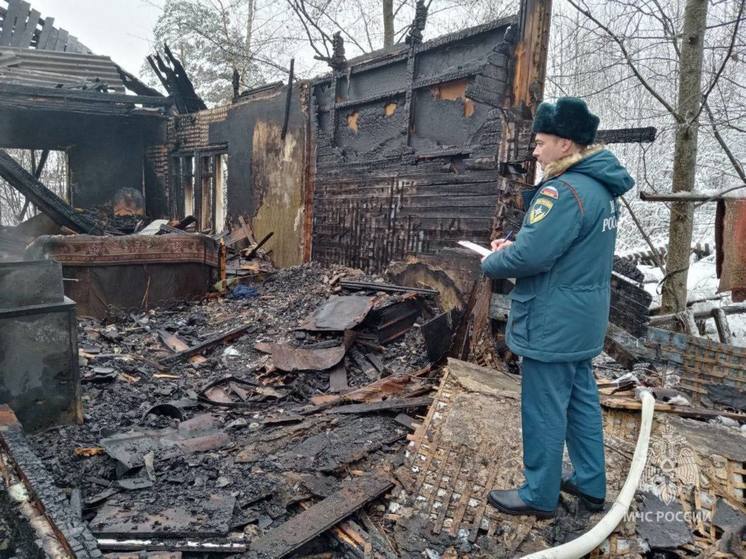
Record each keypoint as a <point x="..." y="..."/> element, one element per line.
<point x="302" y="528"/>
<point x="699" y="362"/>
<point x="730" y="238"/>
<point x="339" y="313"/>
<point x="199" y="434"/>
<point x="290" y="359"/>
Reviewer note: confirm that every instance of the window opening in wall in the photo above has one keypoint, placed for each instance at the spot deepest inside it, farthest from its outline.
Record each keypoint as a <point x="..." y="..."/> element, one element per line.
<point x="200" y="180"/>
<point x="187" y="182"/>
<point x="221" y="191"/>
<point x="183" y="185"/>
<point x="52" y="169"/>
<point x="207" y="175"/>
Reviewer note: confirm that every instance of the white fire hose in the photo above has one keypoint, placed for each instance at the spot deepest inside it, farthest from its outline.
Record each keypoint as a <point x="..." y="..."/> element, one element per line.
<point x="596" y="535"/>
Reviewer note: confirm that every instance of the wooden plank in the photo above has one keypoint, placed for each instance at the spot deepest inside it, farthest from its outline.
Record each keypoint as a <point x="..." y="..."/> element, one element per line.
<point x="52" y="40"/>
<point x="13" y="20"/>
<point x="252" y="251"/>
<point x="338" y="379"/>
<point x="87" y="96"/>
<point x="73" y="45"/>
<point x="683" y="411"/>
<point x="365" y="366"/>
<point x="61" y="40"/>
<point x="23" y="40"/>
<point x="24" y="27"/>
<point x="626" y="135"/>
<point x="302" y="528"/>
<point x="43" y="198"/>
<point x="407" y="421"/>
<point x="723" y="328"/>
<point x="207" y="344"/>
<point x="386" y="405"/>
<point x="47" y="30"/>
<point x="246" y="229"/>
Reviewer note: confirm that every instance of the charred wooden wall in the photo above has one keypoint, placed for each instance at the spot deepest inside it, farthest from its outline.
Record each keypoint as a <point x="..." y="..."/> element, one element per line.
<point x="406" y="145"/>
<point x="395" y="155"/>
<point x="266" y="173"/>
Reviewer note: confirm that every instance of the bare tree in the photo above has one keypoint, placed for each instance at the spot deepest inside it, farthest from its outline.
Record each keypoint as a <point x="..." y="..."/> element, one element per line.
<point x="653" y="51"/>
<point x="214" y="39"/>
<point x="368" y="25"/>
<point x="388" y="23"/>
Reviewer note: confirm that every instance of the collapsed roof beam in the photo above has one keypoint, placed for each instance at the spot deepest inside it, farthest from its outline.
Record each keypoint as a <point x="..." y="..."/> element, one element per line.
<point x="85" y="96"/>
<point x="44" y="199"/>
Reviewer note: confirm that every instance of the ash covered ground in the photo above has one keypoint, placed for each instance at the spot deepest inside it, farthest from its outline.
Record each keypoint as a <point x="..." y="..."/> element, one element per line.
<point x="221" y="470"/>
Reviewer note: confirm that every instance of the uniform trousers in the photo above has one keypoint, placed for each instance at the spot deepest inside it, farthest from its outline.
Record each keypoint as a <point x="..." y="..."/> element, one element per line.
<point x="559" y="404"/>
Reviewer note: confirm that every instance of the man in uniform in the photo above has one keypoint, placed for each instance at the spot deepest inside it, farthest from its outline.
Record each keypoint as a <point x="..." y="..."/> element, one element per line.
<point x="562" y="260"/>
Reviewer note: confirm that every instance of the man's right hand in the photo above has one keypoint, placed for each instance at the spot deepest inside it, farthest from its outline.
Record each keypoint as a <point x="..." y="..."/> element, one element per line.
<point x="499" y="244"/>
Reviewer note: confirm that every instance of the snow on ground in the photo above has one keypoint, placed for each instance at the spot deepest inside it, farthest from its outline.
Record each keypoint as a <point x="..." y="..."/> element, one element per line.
<point x="702" y="283"/>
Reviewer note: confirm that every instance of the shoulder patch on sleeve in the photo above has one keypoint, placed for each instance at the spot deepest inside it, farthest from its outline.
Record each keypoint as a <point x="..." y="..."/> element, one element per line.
<point x="540" y="210"/>
<point x="550" y="191"/>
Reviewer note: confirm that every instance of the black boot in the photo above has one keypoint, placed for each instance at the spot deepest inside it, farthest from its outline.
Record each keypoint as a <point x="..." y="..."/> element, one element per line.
<point x="591" y="503"/>
<point x="509" y="502"/>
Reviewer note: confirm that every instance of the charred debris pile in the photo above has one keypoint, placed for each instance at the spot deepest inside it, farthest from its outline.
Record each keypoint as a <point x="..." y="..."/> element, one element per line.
<point x="223" y="419"/>
<point x="305" y="411"/>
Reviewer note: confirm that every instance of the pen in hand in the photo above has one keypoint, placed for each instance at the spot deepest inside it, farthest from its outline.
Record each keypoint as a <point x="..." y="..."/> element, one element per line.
<point x="499" y="244"/>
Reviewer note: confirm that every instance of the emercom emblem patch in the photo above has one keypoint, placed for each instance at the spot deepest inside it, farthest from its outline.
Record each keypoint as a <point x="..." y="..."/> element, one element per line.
<point x="540" y="210"/>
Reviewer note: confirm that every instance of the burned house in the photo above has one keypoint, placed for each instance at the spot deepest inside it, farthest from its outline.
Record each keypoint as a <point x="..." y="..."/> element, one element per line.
<point x="280" y="353"/>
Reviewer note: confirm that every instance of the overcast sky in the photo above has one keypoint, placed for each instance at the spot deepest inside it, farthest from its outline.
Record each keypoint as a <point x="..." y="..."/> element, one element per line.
<point x="121" y="29"/>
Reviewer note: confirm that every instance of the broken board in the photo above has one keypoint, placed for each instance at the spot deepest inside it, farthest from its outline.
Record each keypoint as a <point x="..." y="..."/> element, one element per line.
<point x="206" y="517"/>
<point x="305" y="526"/>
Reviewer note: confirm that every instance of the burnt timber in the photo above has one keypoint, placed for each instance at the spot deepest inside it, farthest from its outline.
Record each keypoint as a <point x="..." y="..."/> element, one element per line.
<point x="43" y="198"/>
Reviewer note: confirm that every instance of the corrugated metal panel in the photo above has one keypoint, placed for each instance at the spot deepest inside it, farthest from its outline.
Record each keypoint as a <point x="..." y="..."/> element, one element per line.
<point x="53" y="69"/>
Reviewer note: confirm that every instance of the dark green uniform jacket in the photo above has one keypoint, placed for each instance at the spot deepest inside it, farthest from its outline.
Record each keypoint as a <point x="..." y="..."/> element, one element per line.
<point x="562" y="259"/>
